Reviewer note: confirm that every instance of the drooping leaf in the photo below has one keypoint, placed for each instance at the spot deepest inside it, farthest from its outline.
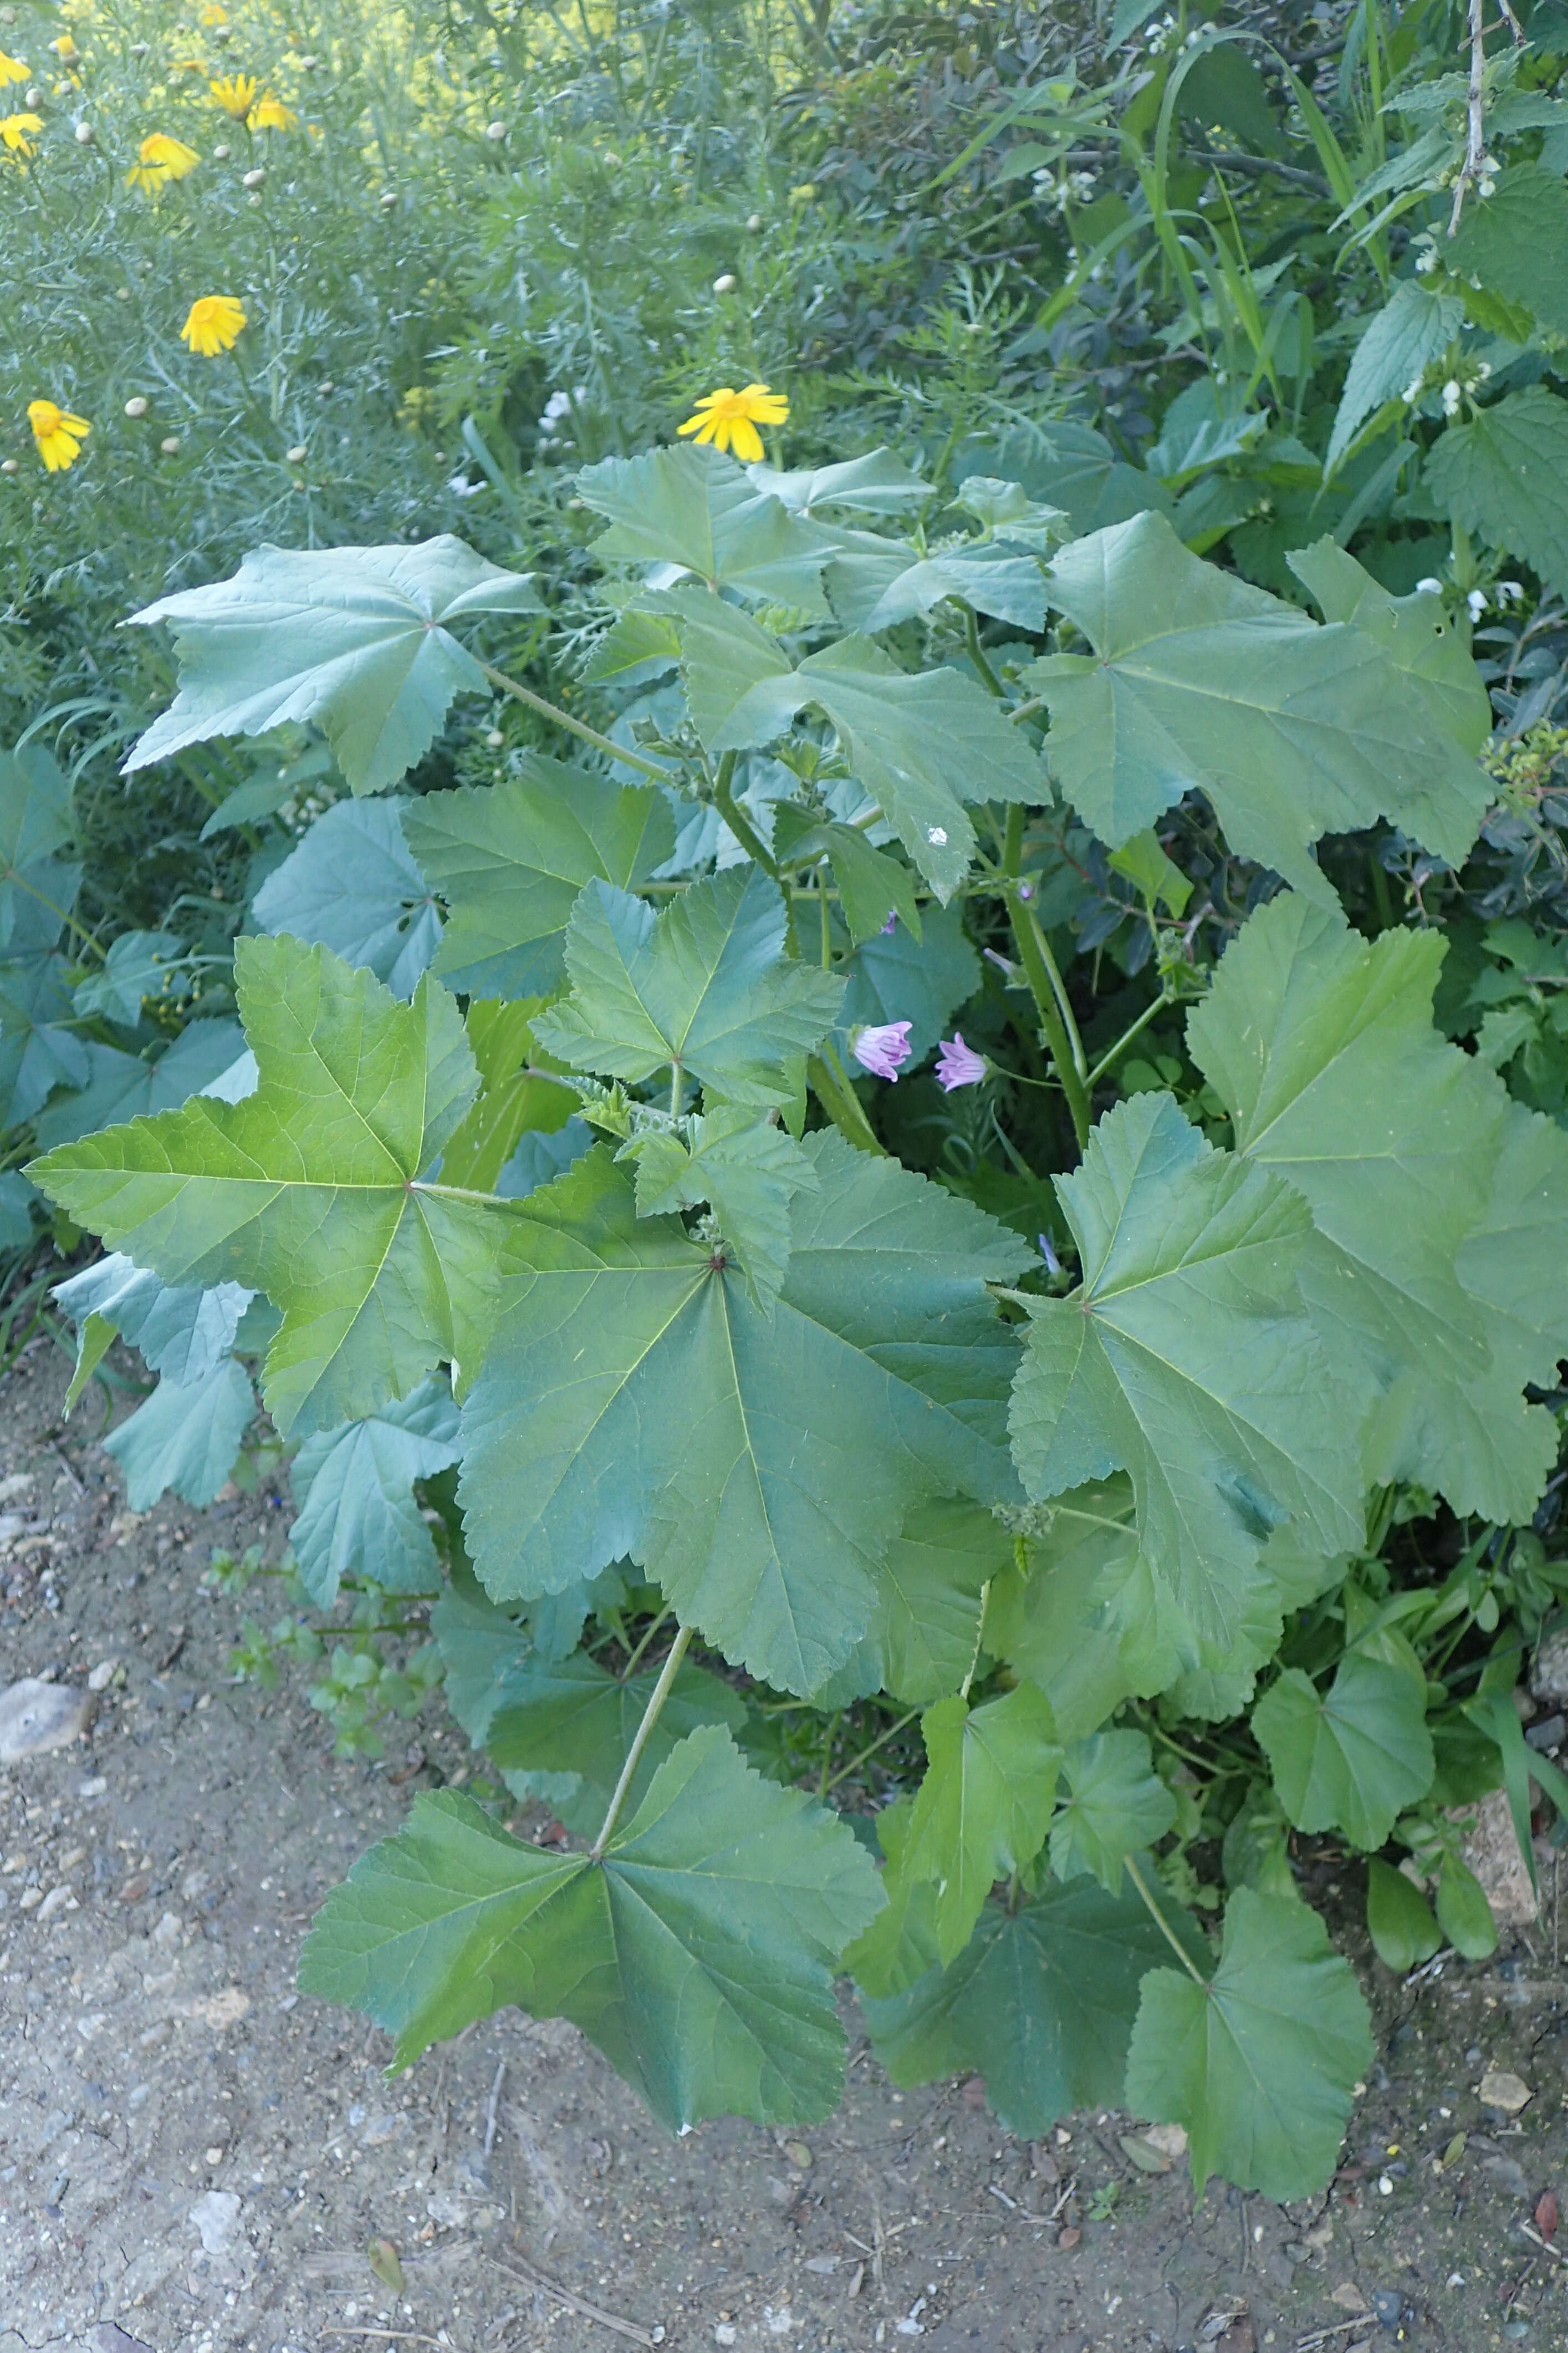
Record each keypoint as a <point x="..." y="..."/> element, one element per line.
<point x="1321" y="1047"/>
<point x="1258" y="2064"/>
<point x="1420" y="637"/>
<point x="921" y="978"/>
<point x="1505" y="475"/>
<point x="184" y="1332"/>
<point x="872" y="887"/>
<point x="1516" y="244"/>
<point x="920" y="744"/>
<point x="185" y="1437"/>
<point x="1415" y="327"/>
<point x="1399" y="1919"/>
<point x="571" y="1717"/>
<point x="1040" y="2002"/>
<point x="353" y="640"/>
<point x="696" y="1953"/>
<point x="510" y="859"/>
<point x="351" y="886"/>
<point x="1199" y="682"/>
<point x="705" y="984"/>
<point x="749" y="1173"/>
<point x="309" y="1188"/>
<point x="983" y="1808"/>
<point x="694" y="510"/>
<point x="354" y="1489"/>
<point x="136" y="966"/>
<point x="116" y="1086"/>
<point x="926" y="1624"/>
<point x="1115" y="1805"/>
<point x="1350" y="1759"/>
<point x="1187" y="1360"/>
<point x="634" y="1402"/>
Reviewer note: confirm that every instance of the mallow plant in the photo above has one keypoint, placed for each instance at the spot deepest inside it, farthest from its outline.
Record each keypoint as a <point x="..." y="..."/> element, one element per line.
<point x="579" y="1165"/>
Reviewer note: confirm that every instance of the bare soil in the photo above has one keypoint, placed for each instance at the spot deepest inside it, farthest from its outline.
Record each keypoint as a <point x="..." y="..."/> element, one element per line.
<point x="193" y="2158"/>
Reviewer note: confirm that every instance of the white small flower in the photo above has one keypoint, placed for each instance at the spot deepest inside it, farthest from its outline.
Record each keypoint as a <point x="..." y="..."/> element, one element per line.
<point x="1427" y="259"/>
<point x="1413" y="391"/>
<point x="1510" y="592"/>
<point x="1485" y="188"/>
<point x="1452" y="396"/>
<point x="1483" y="369"/>
<point x="1431" y="585"/>
<point x="1477" y="602"/>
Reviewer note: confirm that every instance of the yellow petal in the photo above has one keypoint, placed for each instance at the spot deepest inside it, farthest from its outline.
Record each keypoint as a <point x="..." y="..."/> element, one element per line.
<point x="747" y="441"/>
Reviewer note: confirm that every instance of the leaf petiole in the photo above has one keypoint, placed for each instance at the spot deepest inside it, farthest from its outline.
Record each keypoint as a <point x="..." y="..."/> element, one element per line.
<point x="650" y="1716"/>
<point x="579" y="727"/>
<point x="1136" y="1876"/>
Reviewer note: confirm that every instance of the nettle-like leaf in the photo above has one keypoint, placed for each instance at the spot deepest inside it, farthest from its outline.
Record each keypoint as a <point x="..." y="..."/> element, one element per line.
<point x="1505" y="475"/>
<point x="1260" y="2063"/>
<point x="354" y="1489"/>
<point x="694" y="510"/>
<point x="635" y="1401"/>
<point x="1199" y="682"/>
<point x="511" y="859"/>
<point x="705" y="985"/>
<point x="983" y="1809"/>
<point x="1115" y="1804"/>
<point x="1516" y="244"/>
<point x="1415" y="327"/>
<point x="1186" y="1359"/>
<point x="922" y="745"/>
<point x="696" y="1953"/>
<point x="309" y="1188"/>
<point x="185" y="1437"/>
<point x="749" y="1173"/>
<point x="353" y="640"/>
<point x="1350" y="1759"/>
<point x="565" y="1727"/>
<point x="351" y="886"/>
<point x="1321" y="1047"/>
<point x="1041" y="2004"/>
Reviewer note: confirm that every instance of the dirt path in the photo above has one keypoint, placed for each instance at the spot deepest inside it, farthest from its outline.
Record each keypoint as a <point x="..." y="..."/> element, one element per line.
<point x="194" y="2158"/>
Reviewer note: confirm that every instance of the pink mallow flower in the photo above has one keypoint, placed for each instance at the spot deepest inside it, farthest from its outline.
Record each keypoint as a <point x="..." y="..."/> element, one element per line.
<point x="958" y="1065"/>
<point x="881" y="1050"/>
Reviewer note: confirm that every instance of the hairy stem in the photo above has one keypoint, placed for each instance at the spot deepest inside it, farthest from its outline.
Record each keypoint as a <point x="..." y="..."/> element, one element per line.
<point x="578" y="727"/>
<point x="1050" y="1003"/>
<point x="735" y="818"/>
<point x="979" y="1634"/>
<point x="650" y="1716"/>
<point x="988" y="677"/>
<point x="840" y="1101"/>
<point x="1114" y="1053"/>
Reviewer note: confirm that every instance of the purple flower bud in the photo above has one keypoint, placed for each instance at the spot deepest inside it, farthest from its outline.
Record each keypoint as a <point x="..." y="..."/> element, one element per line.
<point x="958" y="1065"/>
<point x="891" y="924"/>
<point x="881" y="1050"/>
<point x="1052" y="1263"/>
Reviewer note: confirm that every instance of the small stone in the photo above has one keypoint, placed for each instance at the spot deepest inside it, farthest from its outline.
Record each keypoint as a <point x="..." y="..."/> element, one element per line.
<point x="136" y="1887"/>
<point x="102" y="1674"/>
<point x="167" y="1931"/>
<point x="798" y="2155"/>
<point x="1499" y="2089"/>
<point x="37" y="1716"/>
<point x="1491" y="1852"/>
<point x="54" y="1900"/>
<point x="724" y="2332"/>
<point x="214" y="2157"/>
<point x="1348" y="2297"/>
<point x="95" y="1785"/>
<point x="1069" y="2237"/>
<point x="216" y="2217"/>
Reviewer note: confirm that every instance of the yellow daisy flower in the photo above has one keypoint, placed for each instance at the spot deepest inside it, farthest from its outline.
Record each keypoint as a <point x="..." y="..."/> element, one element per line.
<point x="213" y="14"/>
<point x="729" y="419"/>
<point x="58" y="434"/>
<point x="11" y="70"/>
<point x="64" y="49"/>
<point x="271" y="114"/>
<point x="17" y="133"/>
<point x="161" y="159"/>
<point x="213" y="324"/>
<point x="236" y="93"/>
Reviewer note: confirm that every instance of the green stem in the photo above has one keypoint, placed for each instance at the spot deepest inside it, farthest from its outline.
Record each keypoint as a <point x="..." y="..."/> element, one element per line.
<point x="1045" y="986"/>
<point x="735" y="818"/>
<point x="989" y="679"/>
<point x="979" y="1632"/>
<point x="840" y="1101"/>
<point x="628" y="1669"/>
<point x="675" y="1089"/>
<point x="1136" y="1876"/>
<point x="1012" y="839"/>
<point x="869" y="1750"/>
<point x="578" y="727"/>
<point x="650" y="1716"/>
<point x="1113" y="1053"/>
